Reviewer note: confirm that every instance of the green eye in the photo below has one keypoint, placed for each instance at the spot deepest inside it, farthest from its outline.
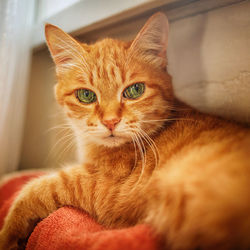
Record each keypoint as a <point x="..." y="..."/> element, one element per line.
<point x="134" y="91"/>
<point x="85" y="95"/>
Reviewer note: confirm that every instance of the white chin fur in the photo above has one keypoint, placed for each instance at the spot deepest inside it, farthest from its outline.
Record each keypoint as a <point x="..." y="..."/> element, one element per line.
<point x="111" y="141"/>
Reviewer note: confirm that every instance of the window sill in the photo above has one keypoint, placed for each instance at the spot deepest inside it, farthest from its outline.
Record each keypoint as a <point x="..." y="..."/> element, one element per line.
<point x="85" y="16"/>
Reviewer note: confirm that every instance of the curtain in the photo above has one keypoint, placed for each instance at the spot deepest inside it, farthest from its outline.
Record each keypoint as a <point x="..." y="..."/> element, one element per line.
<point x="16" y="20"/>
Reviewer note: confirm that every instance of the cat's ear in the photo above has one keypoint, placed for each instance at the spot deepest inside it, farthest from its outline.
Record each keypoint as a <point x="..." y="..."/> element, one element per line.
<point x="66" y="52"/>
<point x="151" y="42"/>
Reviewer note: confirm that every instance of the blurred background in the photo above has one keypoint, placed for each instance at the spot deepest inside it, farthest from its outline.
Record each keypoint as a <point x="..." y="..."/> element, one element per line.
<point x="209" y="59"/>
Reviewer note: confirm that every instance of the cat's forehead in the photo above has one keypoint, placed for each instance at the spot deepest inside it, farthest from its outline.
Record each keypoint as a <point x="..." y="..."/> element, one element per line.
<point x="108" y="52"/>
<point x="107" y="63"/>
<point x="109" y="47"/>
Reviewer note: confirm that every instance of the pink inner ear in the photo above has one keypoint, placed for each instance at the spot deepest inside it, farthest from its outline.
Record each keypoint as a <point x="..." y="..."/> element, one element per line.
<point x="60" y="58"/>
<point x="63" y="60"/>
<point x="162" y="53"/>
<point x="151" y="41"/>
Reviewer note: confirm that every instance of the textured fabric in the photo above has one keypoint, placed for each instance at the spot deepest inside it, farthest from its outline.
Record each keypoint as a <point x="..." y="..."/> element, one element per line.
<point x="9" y="190"/>
<point x="69" y="228"/>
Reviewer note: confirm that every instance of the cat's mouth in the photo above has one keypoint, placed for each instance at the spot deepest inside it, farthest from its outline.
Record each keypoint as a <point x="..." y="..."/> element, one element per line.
<point x="113" y="140"/>
<point x="112" y="137"/>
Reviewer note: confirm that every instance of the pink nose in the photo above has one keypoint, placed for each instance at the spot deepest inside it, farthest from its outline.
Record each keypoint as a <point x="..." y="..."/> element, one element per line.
<point x="110" y="124"/>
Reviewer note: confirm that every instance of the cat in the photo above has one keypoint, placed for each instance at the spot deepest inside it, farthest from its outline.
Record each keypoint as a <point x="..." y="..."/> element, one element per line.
<point x="146" y="156"/>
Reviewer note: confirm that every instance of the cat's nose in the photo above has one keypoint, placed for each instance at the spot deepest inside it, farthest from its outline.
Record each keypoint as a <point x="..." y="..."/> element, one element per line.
<point x="111" y="123"/>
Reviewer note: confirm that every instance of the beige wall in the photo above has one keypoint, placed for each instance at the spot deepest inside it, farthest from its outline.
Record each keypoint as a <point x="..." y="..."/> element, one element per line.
<point x="209" y="58"/>
<point x="43" y="144"/>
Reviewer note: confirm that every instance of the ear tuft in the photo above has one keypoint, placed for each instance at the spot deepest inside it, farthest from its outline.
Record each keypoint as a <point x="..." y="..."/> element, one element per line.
<point x="65" y="51"/>
<point x="151" y="42"/>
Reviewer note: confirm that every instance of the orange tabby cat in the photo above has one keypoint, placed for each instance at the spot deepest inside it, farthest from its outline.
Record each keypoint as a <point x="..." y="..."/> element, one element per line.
<point x="146" y="158"/>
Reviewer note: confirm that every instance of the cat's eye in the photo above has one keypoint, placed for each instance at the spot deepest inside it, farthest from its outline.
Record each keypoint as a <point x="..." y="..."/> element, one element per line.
<point x="134" y="91"/>
<point x="85" y="95"/>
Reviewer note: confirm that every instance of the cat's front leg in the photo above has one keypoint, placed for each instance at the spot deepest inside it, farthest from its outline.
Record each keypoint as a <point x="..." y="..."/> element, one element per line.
<point x="38" y="199"/>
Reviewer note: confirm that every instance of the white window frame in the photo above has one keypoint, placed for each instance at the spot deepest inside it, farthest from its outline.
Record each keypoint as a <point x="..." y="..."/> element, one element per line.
<point x="88" y="15"/>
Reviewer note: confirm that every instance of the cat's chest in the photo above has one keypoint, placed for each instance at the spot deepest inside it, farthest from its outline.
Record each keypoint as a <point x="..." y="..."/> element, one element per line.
<point x="115" y="201"/>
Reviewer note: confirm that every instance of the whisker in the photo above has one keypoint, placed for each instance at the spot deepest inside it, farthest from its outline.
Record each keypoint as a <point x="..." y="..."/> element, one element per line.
<point x="67" y="136"/>
<point x="143" y="155"/>
<point x="151" y="144"/>
<point x="168" y="119"/>
<point x="132" y="136"/>
<point x="66" y="149"/>
<point x="63" y="127"/>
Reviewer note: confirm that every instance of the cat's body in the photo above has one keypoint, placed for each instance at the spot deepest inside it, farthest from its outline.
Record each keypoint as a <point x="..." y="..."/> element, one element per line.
<point x="146" y="159"/>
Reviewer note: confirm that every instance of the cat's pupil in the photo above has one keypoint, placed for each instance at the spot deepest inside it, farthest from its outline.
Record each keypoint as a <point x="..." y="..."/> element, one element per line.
<point x="86" y="93"/>
<point x="136" y="87"/>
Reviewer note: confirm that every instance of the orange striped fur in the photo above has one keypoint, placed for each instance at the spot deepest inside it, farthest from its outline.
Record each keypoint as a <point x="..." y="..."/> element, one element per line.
<point x="147" y="160"/>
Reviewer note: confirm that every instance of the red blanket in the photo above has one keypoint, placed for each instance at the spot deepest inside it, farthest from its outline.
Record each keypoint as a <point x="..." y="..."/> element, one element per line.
<point x="69" y="228"/>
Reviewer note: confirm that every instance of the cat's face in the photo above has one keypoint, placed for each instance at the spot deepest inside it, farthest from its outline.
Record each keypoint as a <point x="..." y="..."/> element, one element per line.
<point x="113" y="92"/>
